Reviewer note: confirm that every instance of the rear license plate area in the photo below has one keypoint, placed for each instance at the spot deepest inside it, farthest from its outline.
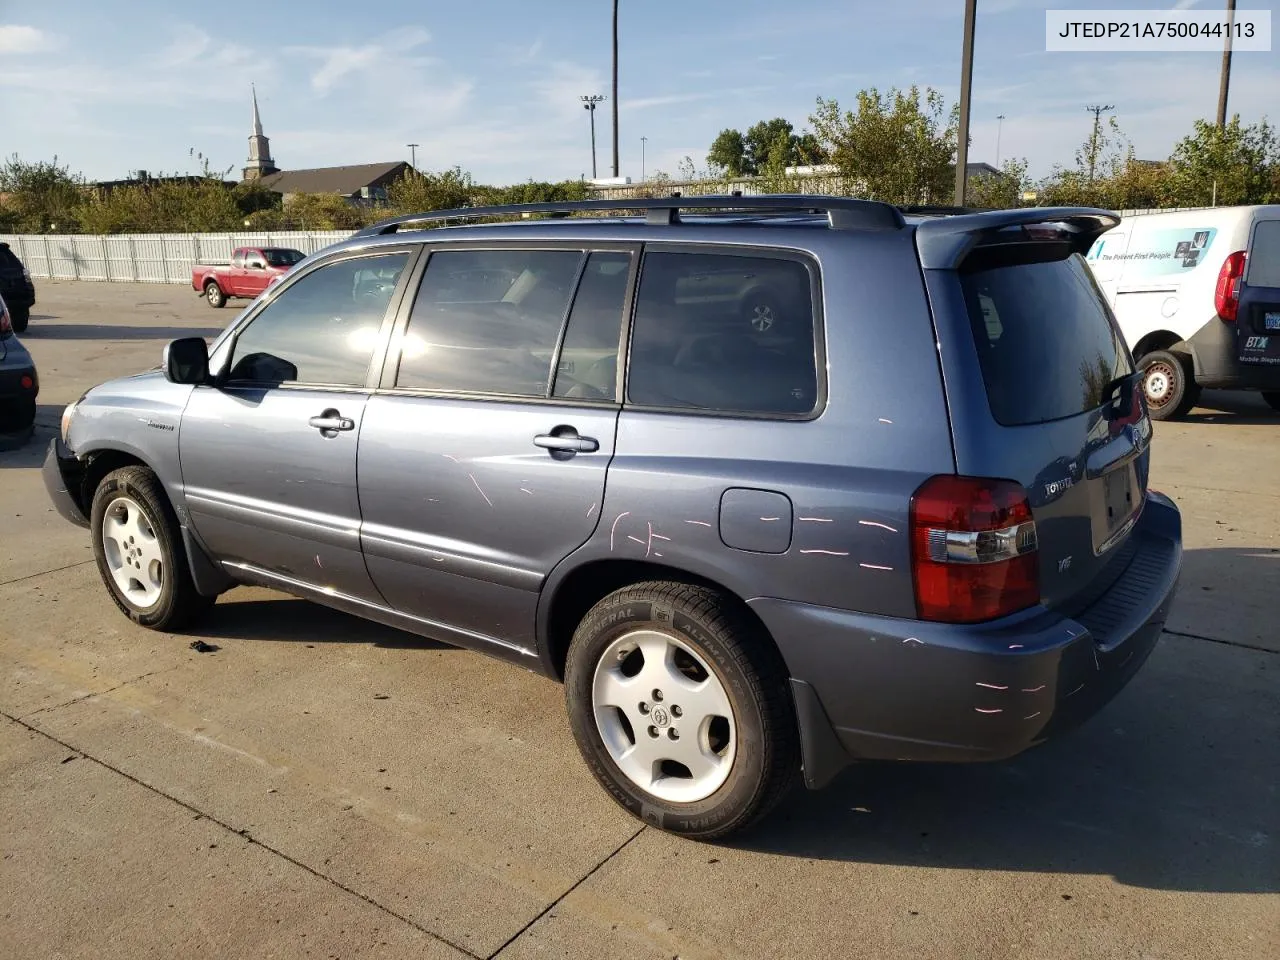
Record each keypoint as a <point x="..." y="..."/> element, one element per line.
<point x="1271" y="321"/>
<point x="1120" y="502"/>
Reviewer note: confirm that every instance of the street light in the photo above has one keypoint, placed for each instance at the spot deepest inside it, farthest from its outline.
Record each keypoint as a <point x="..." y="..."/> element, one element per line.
<point x="589" y="104"/>
<point x="999" y="126"/>
<point x="643" y="141"/>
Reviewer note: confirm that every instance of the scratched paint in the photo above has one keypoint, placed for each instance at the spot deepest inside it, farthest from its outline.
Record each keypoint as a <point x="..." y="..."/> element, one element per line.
<point x="1033" y="716"/>
<point x="482" y="493"/>
<point x="1075" y="691"/>
<point x="988" y="710"/>
<point x="526" y="490"/>
<point x="874" y="566"/>
<point x="815" y="519"/>
<point x="885" y="420"/>
<point x="1033" y="689"/>
<point x="614" y="529"/>
<point x="829" y="553"/>
<point x="882" y="526"/>
<point x="991" y="686"/>
<point x="1015" y="646"/>
<point x="769" y="519"/>
<point x="591" y="509"/>
<point x="698" y="523"/>
<point x="450" y="456"/>
<point x="915" y="640"/>
<point x="636" y="539"/>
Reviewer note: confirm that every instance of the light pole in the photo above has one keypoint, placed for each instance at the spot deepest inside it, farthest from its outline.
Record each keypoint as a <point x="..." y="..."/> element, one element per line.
<point x="615" y="89"/>
<point x="999" y="126"/>
<point x="966" y="87"/>
<point x="1226" y="67"/>
<point x="589" y="104"/>
<point x="643" y="141"/>
<point x="413" y="154"/>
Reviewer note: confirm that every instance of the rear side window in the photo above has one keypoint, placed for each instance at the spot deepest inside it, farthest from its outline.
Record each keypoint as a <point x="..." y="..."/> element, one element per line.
<point x="1045" y="338"/>
<point x="488" y="321"/>
<point x="723" y="333"/>
<point x="1264" y="255"/>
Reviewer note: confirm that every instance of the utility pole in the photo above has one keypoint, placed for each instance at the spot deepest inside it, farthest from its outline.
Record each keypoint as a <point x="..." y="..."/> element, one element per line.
<point x="589" y="104"/>
<point x="1097" y="110"/>
<point x="966" y="87"/>
<point x="615" y="89"/>
<point x="999" y="127"/>
<point x="643" y="141"/>
<point x="1226" y="66"/>
<point x="413" y="154"/>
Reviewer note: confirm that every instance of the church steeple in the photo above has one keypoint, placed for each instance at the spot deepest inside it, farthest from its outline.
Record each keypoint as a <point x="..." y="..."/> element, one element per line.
<point x="260" y="163"/>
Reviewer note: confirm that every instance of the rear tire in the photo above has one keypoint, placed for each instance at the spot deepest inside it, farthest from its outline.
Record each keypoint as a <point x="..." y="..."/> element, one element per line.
<point x="18" y="415"/>
<point x="675" y="659"/>
<point x="137" y="543"/>
<point x="213" y="293"/>
<point x="1273" y="398"/>
<point x="1168" y="383"/>
<point x="19" y="317"/>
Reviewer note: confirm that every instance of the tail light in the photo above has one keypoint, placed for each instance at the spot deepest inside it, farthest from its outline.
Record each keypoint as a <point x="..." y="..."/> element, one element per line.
<point x="1226" y="296"/>
<point x="974" y="551"/>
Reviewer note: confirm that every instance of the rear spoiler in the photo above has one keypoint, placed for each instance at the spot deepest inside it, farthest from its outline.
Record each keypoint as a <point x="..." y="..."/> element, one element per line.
<point x="944" y="242"/>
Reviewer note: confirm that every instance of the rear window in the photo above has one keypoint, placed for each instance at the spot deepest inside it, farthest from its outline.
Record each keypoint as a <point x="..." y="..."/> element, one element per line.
<point x="1045" y="338"/>
<point x="1264" y="255"/>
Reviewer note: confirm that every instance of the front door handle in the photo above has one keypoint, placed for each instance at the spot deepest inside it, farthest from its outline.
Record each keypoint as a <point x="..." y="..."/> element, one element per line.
<point x="566" y="440"/>
<point x="331" y="421"/>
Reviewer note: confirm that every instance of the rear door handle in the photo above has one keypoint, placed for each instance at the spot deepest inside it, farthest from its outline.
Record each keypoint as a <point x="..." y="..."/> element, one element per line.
<point x="331" y="422"/>
<point x="566" y="441"/>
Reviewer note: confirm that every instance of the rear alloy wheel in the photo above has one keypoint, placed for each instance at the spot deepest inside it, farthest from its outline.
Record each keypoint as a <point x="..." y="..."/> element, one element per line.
<point x="762" y="311"/>
<point x="213" y="293"/>
<point x="138" y="546"/>
<point x="1273" y="398"/>
<point x="1168" y="382"/>
<point x="681" y="709"/>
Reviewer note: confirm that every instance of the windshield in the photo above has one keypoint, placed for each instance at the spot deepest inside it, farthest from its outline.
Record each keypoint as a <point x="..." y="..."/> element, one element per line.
<point x="283" y="258"/>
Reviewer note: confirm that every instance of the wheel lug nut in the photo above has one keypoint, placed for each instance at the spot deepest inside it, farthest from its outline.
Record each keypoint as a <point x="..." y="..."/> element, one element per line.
<point x="673" y="733"/>
<point x="644" y="707"/>
<point x="653" y="732"/>
<point x="657" y="695"/>
<point x="676" y="711"/>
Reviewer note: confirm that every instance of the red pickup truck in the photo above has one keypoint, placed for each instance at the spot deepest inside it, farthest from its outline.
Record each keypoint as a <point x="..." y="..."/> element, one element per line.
<point x="251" y="270"/>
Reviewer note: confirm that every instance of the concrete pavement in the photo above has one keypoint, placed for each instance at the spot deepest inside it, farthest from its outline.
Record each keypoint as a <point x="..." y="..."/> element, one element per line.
<point x="321" y="786"/>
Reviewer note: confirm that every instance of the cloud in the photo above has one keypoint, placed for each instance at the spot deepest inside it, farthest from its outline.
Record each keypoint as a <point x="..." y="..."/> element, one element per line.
<point x="18" y="39"/>
<point x="1185" y="4"/>
<point x="339" y="62"/>
<point x="644" y="103"/>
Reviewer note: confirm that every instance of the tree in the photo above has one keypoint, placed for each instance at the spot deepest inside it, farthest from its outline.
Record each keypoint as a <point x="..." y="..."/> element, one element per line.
<point x="808" y="150"/>
<point x="763" y="137"/>
<point x="1240" y="160"/>
<point x="1001" y="190"/>
<point x="416" y="191"/>
<point x="40" y="195"/>
<point x="728" y="153"/>
<point x="898" y="147"/>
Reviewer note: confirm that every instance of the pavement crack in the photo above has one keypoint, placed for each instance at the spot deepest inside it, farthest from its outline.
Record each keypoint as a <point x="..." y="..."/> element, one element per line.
<point x="44" y="573"/>
<point x="560" y="899"/>
<point x="1226" y="643"/>
<point x="96" y="693"/>
<point x="248" y="837"/>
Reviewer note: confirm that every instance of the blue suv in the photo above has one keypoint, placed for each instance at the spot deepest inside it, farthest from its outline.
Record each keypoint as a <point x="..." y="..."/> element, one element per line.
<point x="773" y="484"/>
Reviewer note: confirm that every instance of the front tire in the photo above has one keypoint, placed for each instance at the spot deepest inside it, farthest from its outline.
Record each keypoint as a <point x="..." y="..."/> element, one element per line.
<point x="19" y="317"/>
<point x="213" y="293"/>
<point x="1273" y="398"/>
<point x="137" y="543"/>
<point x="1168" y="383"/>
<point x="680" y="706"/>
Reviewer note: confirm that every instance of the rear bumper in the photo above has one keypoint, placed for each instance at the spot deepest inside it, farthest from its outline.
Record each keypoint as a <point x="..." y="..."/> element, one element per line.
<point x="63" y="477"/>
<point x="1215" y="351"/>
<point x="911" y="690"/>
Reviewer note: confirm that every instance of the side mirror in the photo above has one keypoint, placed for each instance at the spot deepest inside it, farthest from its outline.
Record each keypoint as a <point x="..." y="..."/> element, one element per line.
<point x="187" y="361"/>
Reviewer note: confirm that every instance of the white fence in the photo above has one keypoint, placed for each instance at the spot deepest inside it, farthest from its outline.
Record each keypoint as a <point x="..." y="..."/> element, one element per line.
<point x="150" y="258"/>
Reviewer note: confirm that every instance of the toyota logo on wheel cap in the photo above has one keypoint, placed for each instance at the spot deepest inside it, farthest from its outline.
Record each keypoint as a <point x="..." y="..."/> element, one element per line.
<point x="660" y="717"/>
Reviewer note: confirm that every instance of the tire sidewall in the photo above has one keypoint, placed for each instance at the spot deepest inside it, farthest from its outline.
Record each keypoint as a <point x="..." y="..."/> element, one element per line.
<point x="1176" y="405"/>
<point x="19" y="317"/>
<point x="214" y="295"/>
<point x="718" y="812"/>
<point x="121" y="483"/>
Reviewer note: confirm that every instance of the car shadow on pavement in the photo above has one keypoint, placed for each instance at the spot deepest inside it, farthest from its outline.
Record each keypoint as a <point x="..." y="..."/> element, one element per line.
<point x="1173" y="785"/>
<point x="1239" y="407"/>
<point x="292" y="620"/>
<point x="114" y="331"/>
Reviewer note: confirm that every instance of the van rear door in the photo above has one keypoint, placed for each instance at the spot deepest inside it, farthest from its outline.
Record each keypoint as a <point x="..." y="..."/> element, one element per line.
<point x="1255" y="297"/>
<point x="1042" y="389"/>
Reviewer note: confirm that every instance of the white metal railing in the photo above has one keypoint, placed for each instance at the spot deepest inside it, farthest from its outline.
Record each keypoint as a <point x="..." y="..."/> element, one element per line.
<point x="150" y="258"/>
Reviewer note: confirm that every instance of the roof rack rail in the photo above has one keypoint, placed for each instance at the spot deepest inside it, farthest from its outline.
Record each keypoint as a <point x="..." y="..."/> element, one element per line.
<point x="843" y="213"/>
<point x="937" y="209"/>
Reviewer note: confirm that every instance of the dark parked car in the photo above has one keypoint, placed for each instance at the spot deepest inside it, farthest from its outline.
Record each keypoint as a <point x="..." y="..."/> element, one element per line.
<point x="16" y="288"/>
<point x="19" y="384"/>
<point x="772" y="483"/>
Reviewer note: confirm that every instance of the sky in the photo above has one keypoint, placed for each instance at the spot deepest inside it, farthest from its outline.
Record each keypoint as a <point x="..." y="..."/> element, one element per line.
<point x="493" y="86"/>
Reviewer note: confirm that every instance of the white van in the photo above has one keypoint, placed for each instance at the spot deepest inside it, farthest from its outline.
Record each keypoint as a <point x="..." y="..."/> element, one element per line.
<point x="1197" y="295"/>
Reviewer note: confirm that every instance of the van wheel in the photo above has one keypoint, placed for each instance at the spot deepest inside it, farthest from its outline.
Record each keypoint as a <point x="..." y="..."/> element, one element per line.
<point x="213" y="293"/>
<point x="19" y="317"/>
<point x="1273" y="398"/>
<point x="1168" y="382"/>
<point x="138" y="547"/>
<point x="681" y="709"/>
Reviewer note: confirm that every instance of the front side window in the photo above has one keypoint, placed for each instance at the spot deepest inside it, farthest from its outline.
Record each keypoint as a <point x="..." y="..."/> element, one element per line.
<point x="323" y="328"/>
<point x="488" y="321"/>
<point x="724" y="333"/>
<point x="283" y="258"/>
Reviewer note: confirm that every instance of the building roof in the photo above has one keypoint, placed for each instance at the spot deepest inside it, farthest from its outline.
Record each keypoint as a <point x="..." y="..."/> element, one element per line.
<point x="342" y="180"/>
